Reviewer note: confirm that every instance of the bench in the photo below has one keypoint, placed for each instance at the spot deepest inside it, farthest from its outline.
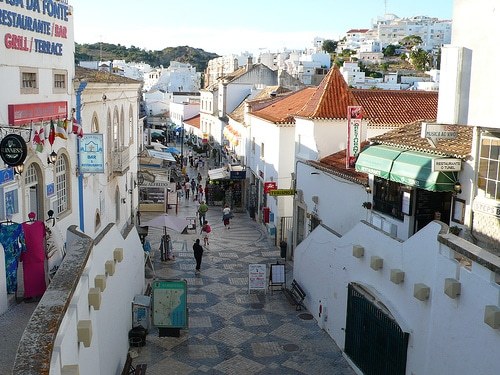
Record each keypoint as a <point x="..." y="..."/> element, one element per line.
<point x="296" y="295"/>
<point x="128" y="369"/>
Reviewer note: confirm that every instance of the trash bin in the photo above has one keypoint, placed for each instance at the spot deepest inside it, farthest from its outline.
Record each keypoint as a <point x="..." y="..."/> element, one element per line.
<point x="283" y="246"/>
<point x="137" y="337"/>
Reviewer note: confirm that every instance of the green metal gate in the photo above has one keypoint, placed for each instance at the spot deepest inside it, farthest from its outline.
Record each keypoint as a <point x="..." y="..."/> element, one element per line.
<point x="374" y="340"/>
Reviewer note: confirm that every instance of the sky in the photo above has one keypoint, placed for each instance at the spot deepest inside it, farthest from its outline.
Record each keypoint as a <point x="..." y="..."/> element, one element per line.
<point x="234" y="26"/>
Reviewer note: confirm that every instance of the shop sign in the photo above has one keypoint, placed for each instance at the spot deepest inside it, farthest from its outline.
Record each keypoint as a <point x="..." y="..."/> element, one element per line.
<point x="281" y="192"/>
<point x="13" y="150"/>
<point x="446" y="165"/>
<point x="91" y="154"/>
<point x="20" y="114"/>
<point x="268" y="186"/>
<point x="238" y="175"/>
<point x="50" y="189"/>
<point x="6" y="175"/>
<point x="486" y="208"/>
<point x="435" y="132"/>
<point x="354" y="117"/>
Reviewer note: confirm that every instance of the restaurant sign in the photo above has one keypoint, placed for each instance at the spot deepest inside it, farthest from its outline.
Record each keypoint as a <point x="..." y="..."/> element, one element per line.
<point x="20" y="114"/>
<point x="13" y="150"/>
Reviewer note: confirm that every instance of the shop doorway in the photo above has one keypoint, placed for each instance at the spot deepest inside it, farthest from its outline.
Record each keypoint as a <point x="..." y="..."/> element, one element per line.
<point x="431" y="206"/>
<point x="33" y="183"/>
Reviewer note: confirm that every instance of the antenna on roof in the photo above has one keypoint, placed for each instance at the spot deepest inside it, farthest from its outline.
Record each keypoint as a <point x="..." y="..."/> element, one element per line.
<point x="385" y="7"/>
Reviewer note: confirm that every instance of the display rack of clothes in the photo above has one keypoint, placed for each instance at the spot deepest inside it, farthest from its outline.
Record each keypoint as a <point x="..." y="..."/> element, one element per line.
<point x="34" y="258"/>
<point x="12" y="240"/>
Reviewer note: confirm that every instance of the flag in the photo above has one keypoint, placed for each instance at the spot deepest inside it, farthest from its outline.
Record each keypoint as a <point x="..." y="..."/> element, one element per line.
<point x="38" y="140"/>
<point x="62" y="129"/>
<point x="77" y="128"/>
<point x="51" y="135"/>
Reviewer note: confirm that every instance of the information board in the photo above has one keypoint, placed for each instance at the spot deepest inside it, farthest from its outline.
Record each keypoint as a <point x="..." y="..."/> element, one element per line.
<point x="256" y="277"/>
<point x="277" y="274"/>
<point x="170" y="303"/>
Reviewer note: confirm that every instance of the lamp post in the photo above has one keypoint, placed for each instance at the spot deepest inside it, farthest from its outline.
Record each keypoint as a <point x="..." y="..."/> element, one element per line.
<point x="182" y="143"/>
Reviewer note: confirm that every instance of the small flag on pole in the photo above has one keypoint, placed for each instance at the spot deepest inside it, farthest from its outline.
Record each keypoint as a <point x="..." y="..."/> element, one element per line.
<point x="62" y="129"/>
<point x="77" y="128"/>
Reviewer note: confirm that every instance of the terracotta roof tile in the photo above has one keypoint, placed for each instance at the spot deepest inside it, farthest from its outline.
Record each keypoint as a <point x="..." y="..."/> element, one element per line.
<point x="99" y="76"/>
<point x="239" y="112"/>
<point x="282" y="110"/>
<point x="194" y="121"/>
<point x="335" y="164"/>
<point x="389" y="108"/>
<point x="330" y="100"/>
<point x="408" y="137"/>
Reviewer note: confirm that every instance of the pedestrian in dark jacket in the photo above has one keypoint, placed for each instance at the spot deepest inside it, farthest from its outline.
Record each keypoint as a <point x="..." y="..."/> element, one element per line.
<point x="198" y="254"/>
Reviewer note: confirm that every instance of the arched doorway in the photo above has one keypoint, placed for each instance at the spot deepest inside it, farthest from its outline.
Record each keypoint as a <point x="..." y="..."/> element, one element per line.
<point x="374" y="340"/>
<point x="33" y="184"/>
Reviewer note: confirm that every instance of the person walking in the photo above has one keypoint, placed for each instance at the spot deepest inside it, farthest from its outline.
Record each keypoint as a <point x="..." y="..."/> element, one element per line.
<point x="193" y="186"/>
<point x="187" y="188"/>
<point x="206" y="229"/>
<point x="202" y="212"/>
<point x="226" y="215"/>
<point x="198" y="254"/>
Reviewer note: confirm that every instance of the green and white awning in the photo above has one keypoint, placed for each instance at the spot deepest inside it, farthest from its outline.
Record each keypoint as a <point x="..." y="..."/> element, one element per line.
<point x="405" y="167"/>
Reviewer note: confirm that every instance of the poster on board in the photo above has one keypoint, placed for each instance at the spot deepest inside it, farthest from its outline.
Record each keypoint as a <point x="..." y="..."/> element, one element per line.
<point x="256" y="277"/>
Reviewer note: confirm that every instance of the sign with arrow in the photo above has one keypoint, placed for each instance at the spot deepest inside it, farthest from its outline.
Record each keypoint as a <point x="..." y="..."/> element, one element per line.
<point x="435" y="132"/>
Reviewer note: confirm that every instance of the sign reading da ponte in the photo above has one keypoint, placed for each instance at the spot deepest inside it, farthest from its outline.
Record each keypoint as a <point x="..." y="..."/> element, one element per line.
<point x="42" y="17"/>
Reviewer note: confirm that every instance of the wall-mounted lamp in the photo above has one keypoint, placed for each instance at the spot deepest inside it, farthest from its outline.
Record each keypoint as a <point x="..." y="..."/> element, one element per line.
<point x="315" y="199"/>
<point x="457" y="187"/>
<point x="368" y="189"/>
<point x="18" y="169"/>
<point x="104" y="97"/>
<point x="51" y="159"/>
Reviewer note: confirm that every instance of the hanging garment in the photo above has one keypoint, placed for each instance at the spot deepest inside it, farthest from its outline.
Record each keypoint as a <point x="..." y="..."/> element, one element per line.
<point x="34" y="259"/>
<point x="12" y="240"/>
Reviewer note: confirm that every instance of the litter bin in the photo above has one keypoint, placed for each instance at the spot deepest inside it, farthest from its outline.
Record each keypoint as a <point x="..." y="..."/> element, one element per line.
<point x="283" y="246"/>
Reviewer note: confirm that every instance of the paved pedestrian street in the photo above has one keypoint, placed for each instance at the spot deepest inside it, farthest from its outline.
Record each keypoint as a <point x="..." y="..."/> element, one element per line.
<point x="232" y="331"/>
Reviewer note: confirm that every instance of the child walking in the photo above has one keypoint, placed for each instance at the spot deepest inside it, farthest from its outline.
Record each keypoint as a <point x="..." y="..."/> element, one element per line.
<point x="206" y="230"/>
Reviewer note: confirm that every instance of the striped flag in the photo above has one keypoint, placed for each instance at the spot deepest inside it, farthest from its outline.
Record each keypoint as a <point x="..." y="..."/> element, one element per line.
<point x="51" y="135"/>
<point x="62" y="129"/>
<point x="38" y="140"/>
<point x="77" y="128"/>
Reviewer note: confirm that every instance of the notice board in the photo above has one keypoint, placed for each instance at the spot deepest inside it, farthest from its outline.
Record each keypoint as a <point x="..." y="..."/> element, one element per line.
<point x="257" y="277"/>
<point x="170" y="303"/>
<point x="277" y="274"/>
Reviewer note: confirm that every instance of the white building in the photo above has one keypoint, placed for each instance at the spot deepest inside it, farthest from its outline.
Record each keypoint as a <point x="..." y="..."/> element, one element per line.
<point x="178" y="77"/>
<point x="390" y="29"/>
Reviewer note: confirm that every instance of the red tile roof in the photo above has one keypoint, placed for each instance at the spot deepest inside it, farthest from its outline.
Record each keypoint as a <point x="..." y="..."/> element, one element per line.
<point x="194" y="121"/>
<point x="330" y="100"/>
<point x="335" y="164"/>
<point x="282" y="111"/>
<point x="408" y="137"/>
<point x="357" y="31"/>
<point x="390" y="108"/>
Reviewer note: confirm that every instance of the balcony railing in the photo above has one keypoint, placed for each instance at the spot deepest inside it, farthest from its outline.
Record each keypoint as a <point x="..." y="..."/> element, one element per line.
<point x="120" y="160"/>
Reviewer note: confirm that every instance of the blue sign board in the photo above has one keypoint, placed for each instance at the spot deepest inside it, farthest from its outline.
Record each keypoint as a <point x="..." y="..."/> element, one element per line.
<point x="50" y="190"/>
<point x="92" y="154"/>
<point x="238" y="175"/>
<point x="6" y="175"/>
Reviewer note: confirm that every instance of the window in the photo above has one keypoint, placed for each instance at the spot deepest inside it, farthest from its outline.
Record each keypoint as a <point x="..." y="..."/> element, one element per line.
<point x="29" y="81"/>
<point x="488" y="174"/>
<point x="59" y="81"/>
<point x="62" y="187"/>
<point x="388" y="197"/>
<point x="253" y="145"/>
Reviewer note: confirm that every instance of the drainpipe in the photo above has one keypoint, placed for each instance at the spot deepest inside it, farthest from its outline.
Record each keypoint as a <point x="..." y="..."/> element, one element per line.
<point x="79" y="92"/>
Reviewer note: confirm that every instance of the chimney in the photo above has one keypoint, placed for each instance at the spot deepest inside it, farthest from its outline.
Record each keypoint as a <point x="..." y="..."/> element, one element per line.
<point x="249" y="63"/>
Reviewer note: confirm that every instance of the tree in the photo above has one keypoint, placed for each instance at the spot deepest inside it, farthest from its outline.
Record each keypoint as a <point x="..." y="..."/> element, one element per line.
<point x="329" y="46"/>
<point x="420" y="59"/>
<point x="390" y="50"/>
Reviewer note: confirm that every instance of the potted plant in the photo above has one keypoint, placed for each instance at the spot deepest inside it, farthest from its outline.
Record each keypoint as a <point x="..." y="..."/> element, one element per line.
<point x="367" y="205"/>
<point x="455" y="230"/>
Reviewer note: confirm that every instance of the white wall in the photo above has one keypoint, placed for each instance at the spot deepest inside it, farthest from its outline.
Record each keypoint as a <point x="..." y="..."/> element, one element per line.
<point x="444" y="333"/>
<point x="339" y="201"/>
<point x="111" y="323"/>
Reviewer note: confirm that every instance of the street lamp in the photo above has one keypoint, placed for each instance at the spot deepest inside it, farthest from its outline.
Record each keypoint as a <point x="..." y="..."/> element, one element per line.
<point x="182" y="142"/>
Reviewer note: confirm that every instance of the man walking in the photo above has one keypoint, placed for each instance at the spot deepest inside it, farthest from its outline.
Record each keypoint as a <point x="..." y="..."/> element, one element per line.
<point x="202" y="211"/>
<point x="198" y="254"/>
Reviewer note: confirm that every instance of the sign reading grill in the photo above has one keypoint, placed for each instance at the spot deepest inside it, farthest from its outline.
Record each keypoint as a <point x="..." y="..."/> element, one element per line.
<point x="280" y="192"/>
